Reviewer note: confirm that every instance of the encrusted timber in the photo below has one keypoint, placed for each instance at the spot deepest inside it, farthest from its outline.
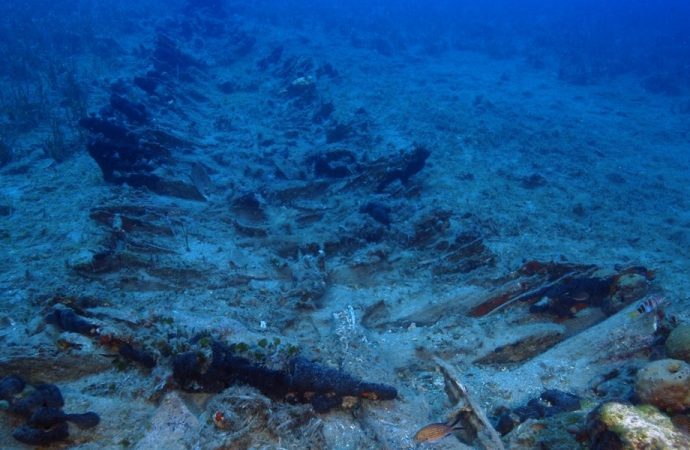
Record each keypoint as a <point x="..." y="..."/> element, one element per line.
<point x="476" y="428"/>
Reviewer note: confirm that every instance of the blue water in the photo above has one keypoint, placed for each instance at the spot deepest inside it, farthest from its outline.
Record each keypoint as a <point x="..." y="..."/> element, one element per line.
<point x="372" y="190"/>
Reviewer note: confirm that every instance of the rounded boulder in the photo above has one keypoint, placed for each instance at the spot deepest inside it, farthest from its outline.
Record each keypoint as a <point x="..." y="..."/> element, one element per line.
<point x="678" y="343"/>
<point x="665" y="384"/>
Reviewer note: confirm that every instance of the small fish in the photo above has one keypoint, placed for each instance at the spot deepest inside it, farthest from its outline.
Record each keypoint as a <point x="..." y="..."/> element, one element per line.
<point x="434" y="432"/>
<point x="648" y="305"/>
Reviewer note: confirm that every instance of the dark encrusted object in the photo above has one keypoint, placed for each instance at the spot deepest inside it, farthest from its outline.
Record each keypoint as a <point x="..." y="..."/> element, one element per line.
<point x="68" y="320"/>
<point x="120" y="154"/>
<point x="36" y="436"/>
<point x="378" y="211"/>
<point x="109" y="129"/>
<point x="565" y="298"/>
<point x="47" y="417"/>
<point x="249" y="206"/>
<point x="142" y="357"/>
<point x="46" y="422"/>
<point x="10" y="386"/>
<point x="533" y="181"/>
<point x="127" y="157"/>
<point x="167" y="56"/>
<point x="44" y="395"/>
<point x="134" y="112"/>
<point x="323" y="113"/>
<point x="339" y="132"/>
<point x="303" y="381"/>
<point x="149" y="82"/>
<point x="549" y="403"/>
<point x="408" y="165"/>
<point x="325" y="387"/>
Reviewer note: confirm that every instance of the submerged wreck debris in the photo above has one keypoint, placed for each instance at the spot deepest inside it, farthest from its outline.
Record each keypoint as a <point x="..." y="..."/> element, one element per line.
<point x="464" y="253"/>
<point x="131" y="353"/>
<point x="562" y="289"/>
<point x="336" y="163"/>
<point x="522" y="350"/>
<point x="125" y="140"/>
<point x="309" y="280"/>
<point x="302" y="381"/>
<point x="557" y="292"/>
<point x="134" y="219"/>
<point x="550" y="403"/>
<point x="470" y="424"/>
<point x="132" y="235"/>
<point x="431" y="227"/>
<point x="134" y="112"/>
<point x="10" y="387"/>
<point x="168" y="57"/>
<point x="128" y="157"/>
<point x="303" y="89"/>
<point x="408" y="165"/>
<point x="249" y="206"/>
<point x="452" y="252"/>
<point x="46" y="422"/>
<point x="378" y="211"/>
<point x="66" y="319"/>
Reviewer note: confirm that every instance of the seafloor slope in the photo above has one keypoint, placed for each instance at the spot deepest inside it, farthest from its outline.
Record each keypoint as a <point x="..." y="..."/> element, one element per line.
<point x="235" y="186"/>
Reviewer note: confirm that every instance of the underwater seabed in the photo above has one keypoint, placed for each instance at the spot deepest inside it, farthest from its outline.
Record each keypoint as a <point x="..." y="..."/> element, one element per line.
<point x="247" y="236"/>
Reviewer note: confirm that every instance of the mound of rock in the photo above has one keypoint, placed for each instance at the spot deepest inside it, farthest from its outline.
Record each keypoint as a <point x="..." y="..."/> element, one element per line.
<point x="665" y="384"/>
<point x="615" y="426"/>
<point x="678" y="343"/>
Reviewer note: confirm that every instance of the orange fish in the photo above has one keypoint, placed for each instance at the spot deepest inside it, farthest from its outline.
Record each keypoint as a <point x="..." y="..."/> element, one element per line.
<point x="434" y="432"/>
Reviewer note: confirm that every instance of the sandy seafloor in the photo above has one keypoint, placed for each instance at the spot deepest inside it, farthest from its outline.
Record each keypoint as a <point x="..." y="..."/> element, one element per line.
<point x="613" y="192"/>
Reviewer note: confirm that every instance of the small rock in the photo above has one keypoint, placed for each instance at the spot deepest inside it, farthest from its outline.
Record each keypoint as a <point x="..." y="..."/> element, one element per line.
<point x="172" y="427"/>
<point x="665" y="384"/>
<point x="678" y="343"/>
